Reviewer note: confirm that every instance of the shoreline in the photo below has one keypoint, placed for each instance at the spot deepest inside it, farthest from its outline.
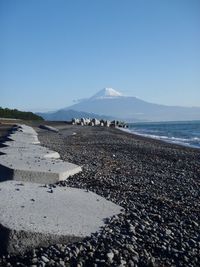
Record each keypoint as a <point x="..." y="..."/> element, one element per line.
<point x="158" y="138"/>
<point x="156" y="182"/>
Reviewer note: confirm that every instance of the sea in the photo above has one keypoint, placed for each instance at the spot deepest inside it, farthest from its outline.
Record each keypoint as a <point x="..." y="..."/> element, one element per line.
<point x="186" y="133"/>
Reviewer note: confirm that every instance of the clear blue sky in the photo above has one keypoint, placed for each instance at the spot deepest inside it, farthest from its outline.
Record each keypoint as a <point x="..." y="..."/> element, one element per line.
<point x="55" y="51"/>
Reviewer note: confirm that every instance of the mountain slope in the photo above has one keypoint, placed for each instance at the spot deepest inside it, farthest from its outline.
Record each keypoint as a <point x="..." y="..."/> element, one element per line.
<point x="113" y="103"/>
<point x="67" y="115"/>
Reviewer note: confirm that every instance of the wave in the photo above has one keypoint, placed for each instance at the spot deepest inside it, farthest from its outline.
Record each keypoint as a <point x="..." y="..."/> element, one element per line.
<point x="196" y="139"/>
<point x="190" y="141"/>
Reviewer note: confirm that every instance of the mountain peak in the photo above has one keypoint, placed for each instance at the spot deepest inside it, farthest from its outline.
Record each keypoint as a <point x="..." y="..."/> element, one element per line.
<point x="106" y="93"/>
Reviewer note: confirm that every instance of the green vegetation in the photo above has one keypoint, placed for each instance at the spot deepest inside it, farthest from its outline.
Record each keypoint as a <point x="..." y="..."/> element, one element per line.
<point x="16" y="114"/>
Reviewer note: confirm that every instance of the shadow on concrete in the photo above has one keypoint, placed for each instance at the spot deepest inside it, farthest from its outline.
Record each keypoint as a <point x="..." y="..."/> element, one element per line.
<point x="5" y="173"/>
<point x="4" y="236"/>
<point x="5" y="137"/>
<point x="19" y="242"/>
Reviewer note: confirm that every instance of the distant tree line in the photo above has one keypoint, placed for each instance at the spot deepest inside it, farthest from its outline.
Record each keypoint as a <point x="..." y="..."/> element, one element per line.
<point x="16" y="114"/>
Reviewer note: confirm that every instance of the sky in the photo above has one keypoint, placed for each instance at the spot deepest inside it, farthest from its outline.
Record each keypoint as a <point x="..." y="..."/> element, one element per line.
<point x="53" y="52"/>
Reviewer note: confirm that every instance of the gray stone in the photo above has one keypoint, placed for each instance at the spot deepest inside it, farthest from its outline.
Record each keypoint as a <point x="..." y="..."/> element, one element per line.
<point x="45" y="259"/>
<point x="110" y="256"/>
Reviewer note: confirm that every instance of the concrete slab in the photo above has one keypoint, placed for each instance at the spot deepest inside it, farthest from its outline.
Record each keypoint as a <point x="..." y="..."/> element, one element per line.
<point x="26" y="161"/>
<point x="30" y="216"/>
<point x="30" y="150"/>
<point x="18" y="130"/>
<point x="16" y="144"/>
<point x="26" y="129"/>
<point x="26" y="138"/>
<point x="37" y="169"/>
<point x="24" y="133"/>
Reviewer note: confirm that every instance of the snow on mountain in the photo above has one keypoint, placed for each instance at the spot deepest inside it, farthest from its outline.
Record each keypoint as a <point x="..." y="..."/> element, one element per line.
<point x="105" y="93"/>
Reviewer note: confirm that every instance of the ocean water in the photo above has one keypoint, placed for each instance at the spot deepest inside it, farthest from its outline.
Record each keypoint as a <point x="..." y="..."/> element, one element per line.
<point x="185" y="133"/>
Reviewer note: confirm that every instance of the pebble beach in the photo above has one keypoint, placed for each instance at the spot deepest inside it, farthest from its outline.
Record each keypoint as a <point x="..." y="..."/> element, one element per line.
<point x="157" y="184"/>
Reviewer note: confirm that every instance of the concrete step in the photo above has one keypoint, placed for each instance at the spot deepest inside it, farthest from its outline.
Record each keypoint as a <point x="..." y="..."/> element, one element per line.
<point x="30" y="150"/>
<point x="25" y="138"/>
<point x="24" y="159"/>
<point x="31" y="216"/>
<point x="36" y="169"/>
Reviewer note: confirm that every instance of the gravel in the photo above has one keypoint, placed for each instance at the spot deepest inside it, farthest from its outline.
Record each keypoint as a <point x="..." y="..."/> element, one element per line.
<point x="157" y="183"/>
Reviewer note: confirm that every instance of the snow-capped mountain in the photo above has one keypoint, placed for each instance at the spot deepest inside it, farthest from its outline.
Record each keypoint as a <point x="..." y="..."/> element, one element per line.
<point x="111" y="103"/>
<point x="106" y="93"/>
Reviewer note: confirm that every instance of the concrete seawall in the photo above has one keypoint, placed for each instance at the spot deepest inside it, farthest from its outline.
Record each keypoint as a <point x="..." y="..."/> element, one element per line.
<point x="28" y="161"/>
<point x="33" y="214"/>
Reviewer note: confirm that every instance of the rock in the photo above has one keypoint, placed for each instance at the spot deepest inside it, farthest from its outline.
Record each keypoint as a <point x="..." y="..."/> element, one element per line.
<point x="168" y="232"/>
<point x="195" y="224"/>
<point x="62" y="263"/>
<point x="122" y="263"/>
<point x="44" y="259"/>
<point x="131" y="263"/>
<point x="110" y="256"/>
